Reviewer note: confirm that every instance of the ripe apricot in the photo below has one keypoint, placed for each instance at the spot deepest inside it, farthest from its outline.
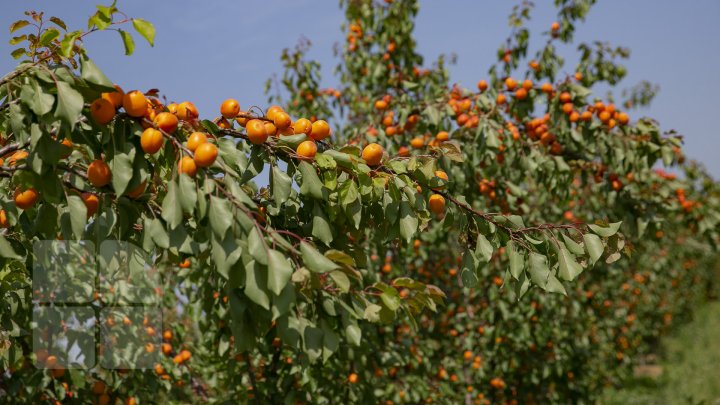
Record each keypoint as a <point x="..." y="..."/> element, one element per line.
<point x="555" y="26"/>
<point x="282" y="120"/>
<point x="270" y="128"/>
<point x="185" y="355"/>
<point x="25" y="199"/>
<point x="307" y="149"/>
<point x="302" y="126"/>
<point x="442" y="136"/>
<point x="272" y="111"/>
<point x="256" y="132"/>
<point x="166" y="121"/>
<point x="320" y="130"/>
<point x="623" y="118"/>
<point x="441" y="174"/>
<point x="196" y="139"/>
<point x="353" y="378"/>
<point x="137" y="191"/>
<point x="510" y="83"/>
<point x="151" y="140"/>
<point x="372" y="154"/>
<point x="16" y="157"/>
<point x="135" y="104"/>
<point x="187" y="165"/>
<point x="187" y="111"/>
<point x="230" y="108"/>
<point x="115" y="97"/>
<point x="437" y="204"/>
<point x="4" y="223"/>
<point x="98" y="173"/>
<point x="66" y="148"/>
<point x="91" y="203"/>
<point x="546" y="88"/>
<point x="417" y="142"/>
<point x="102" y="111"/>
<point x="205" y="154"/>
<point x="527" y="84"/>
<point x="565" y="97"/>
<point x="501" y="99"/>
<point x="521" y="93"/>
<point x="380" y="105"/>
<point x="167" y="335"/>
<point x="98" y="387"/>
<point x="482" y="85"/>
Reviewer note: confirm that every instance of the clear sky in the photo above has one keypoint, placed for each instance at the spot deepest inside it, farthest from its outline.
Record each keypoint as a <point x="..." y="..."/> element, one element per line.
<point x="208" y="51"/>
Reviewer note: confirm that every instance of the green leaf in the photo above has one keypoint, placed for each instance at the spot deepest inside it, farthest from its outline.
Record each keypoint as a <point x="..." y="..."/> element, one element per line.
<point x="483" y="247"/>
<point x="468" y="270"/>
<point x="171" y="209"/>
<point x="100" y="20"/>
<point x="6" y="250"/>
<point x="539" y="270"/>
<point x="48" y="36"/>
<point x="341" y="280"/>
<point x="321" y="228"/>
<point x="66" y="45"/>
<point x="35" y="97"/>
<point x="69" y="104"/>
<point x="605" y="232"/>
<point x="17" y="25"/>
<point x="255" y="285"/>
<point x="569" y="268"/>
<point x="78" y="215"/>
<point x="517" y="260"/>
<point x="220" y="216"/>
<point x="280" y="185"/>
<point x="121" y="166"/>
<point x="60" y="23"/>
<point x="279" y="271"/>
<point x="18" y="53"/>
<point x="256" y="246"/>
<point x="353" y="333"/>
<point x="554" y="285"/>
<point x="128" y="42"/>
<point x="311" y="184"/>
<point x="314" y="260"/>
<point x="188" y="193"/>
<point x="408" y="221"/>
<point x="146" y="29"/>
<point x="594" y="247"/>
<point x="92" y="74"/>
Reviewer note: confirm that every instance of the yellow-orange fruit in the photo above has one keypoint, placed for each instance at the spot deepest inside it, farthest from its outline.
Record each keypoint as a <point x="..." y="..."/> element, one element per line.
<point x="307" y="149"/>
<point x="282" y="120"/>
<point x="187" y="165"/>
<point x="187" y="111"/>
<point x="256" y="132"/>
<point x="91" y="203"/>
<point x="437" y="204"/>
<point x="135" y="104"/>
<point x="98" y="173"/>
<point x="372" y="154"/>
<point x="230" y="108"/>
<point x="196" y="139"/>
<point x="102" y="111"/>
<point x="25" y="199"/>
<point x="302" y="126"/>
<point x="441" y="174"/>
<point x="272" y="111"/>
<point x="115" y="97"/>
<point x="320" y="130"/>
<point x="151" y="140"/>
<point x="137" y="191"/>
<point x="206" y="154"/>
<point x="166" y="121"/>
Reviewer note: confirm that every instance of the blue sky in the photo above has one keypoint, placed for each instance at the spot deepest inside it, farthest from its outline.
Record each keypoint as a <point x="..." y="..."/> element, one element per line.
<point x="209" y="51"/>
